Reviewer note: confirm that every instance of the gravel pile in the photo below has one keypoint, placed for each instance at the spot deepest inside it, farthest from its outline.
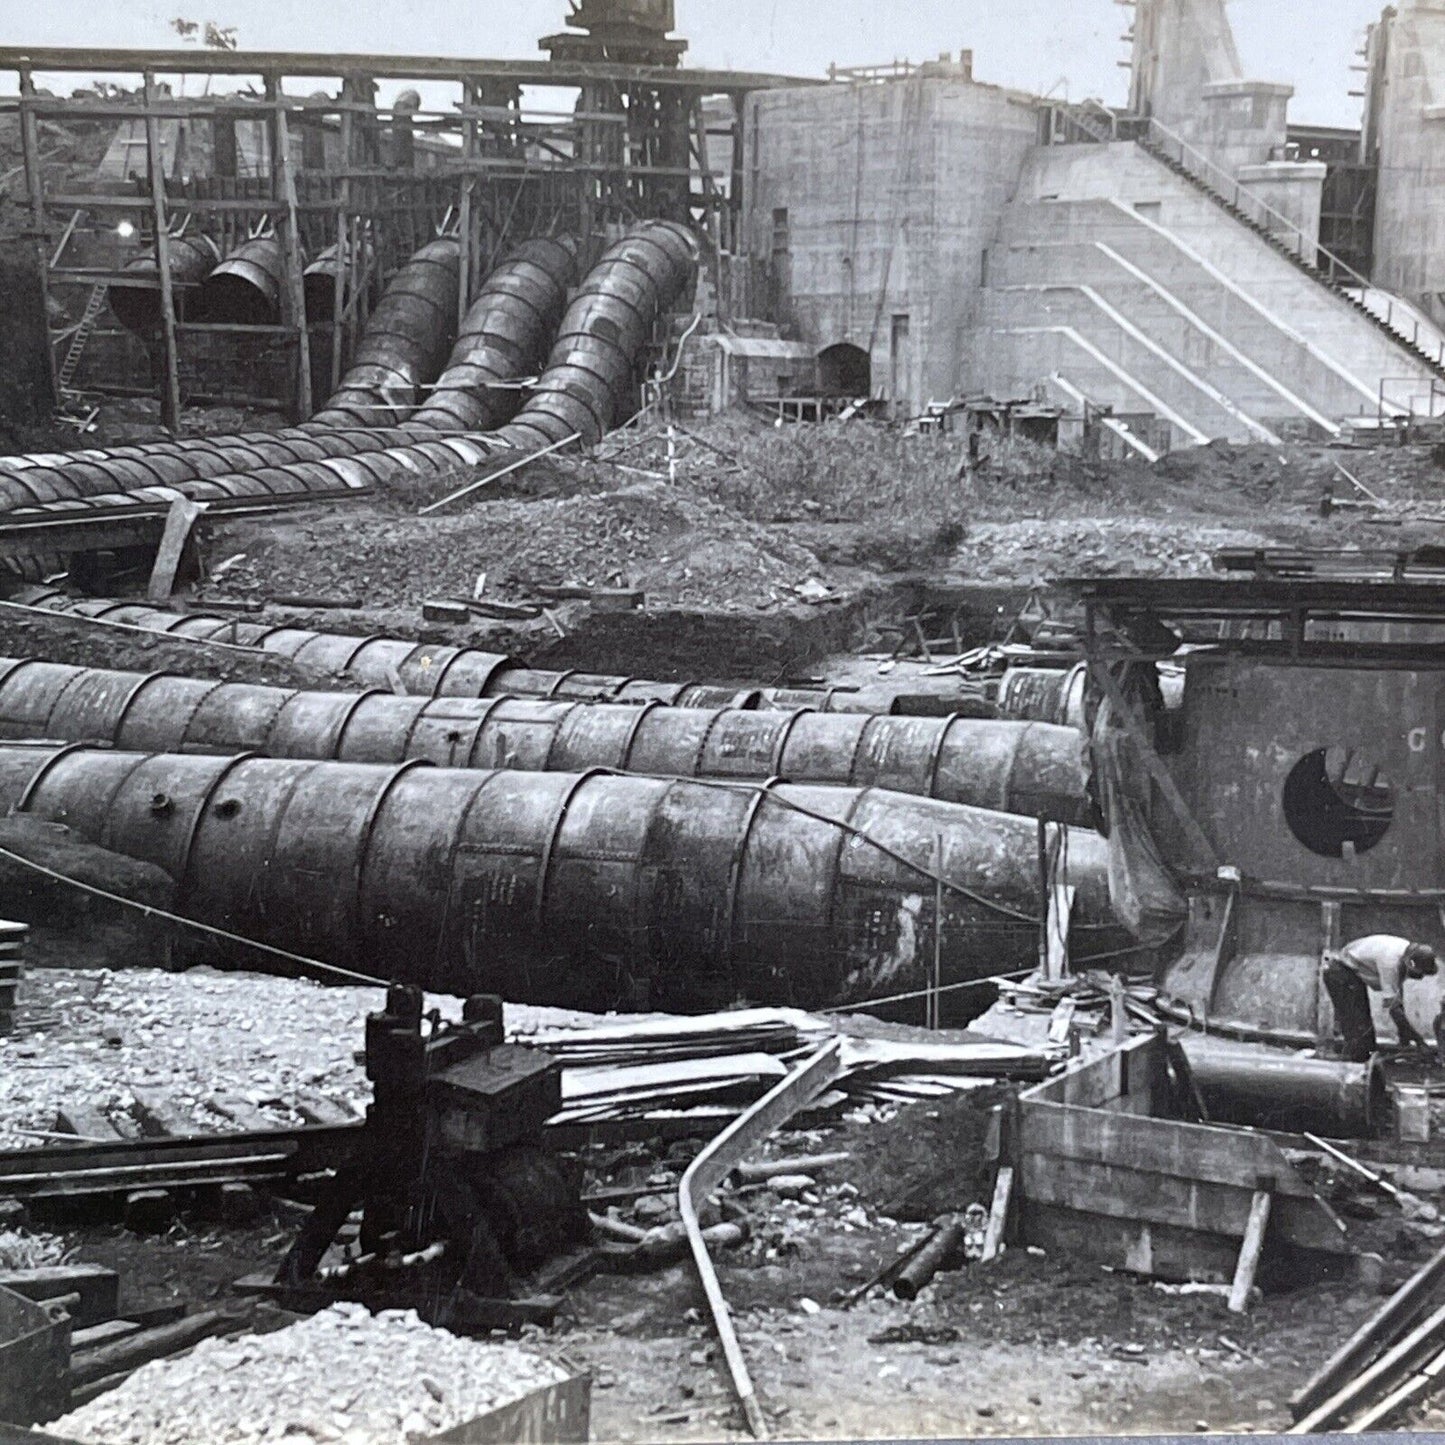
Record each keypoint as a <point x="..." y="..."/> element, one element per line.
<point x="1036" y="549"/>
<point x="344" y="1375"/>
<point x="220" y="1051"/>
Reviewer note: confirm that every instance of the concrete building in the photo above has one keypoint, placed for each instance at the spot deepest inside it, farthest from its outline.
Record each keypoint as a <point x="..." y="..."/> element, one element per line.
<point x="1406" y="139"/>
<point x="930" y="236"/>
<point x="870" y="206"/>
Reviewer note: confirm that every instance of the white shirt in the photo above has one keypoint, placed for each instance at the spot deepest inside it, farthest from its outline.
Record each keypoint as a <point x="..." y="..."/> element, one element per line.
<point x="1379" y="959"/>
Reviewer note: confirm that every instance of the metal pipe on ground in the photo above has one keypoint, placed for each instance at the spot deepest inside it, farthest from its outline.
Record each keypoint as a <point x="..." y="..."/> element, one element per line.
<point x="404" y="345"/>
<point x="421" y="669"/>
<point x="185" y="463"/>
<point x="1031" y="769"/>
<point x="1269" y="1089"/>
<point x="504" y="337"/>
<point x="138" y="308"/>
<point x="320" y="475"/>
<point x="944" y="1251"/>
<point x="1045" y="694"/>
<point x="589" y="890"/>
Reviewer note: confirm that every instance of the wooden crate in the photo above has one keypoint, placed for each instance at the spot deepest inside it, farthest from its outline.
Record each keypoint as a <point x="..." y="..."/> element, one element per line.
<point x="1103" y="1172"/>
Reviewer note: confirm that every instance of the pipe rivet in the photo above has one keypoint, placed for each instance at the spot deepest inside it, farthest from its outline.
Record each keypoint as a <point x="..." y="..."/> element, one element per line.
<point x="161" y="805"/>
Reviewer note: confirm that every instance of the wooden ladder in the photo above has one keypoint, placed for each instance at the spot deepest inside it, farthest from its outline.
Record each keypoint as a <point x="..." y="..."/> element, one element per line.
<point x="81" y="337"/>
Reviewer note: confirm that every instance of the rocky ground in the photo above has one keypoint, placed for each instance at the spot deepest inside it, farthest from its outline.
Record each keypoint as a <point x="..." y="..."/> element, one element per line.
<point x="1033" y="1344"/>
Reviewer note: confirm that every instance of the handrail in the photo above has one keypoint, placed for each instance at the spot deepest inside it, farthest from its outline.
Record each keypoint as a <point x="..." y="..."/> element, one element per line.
<point x="1191" y="157"/>
<point x="1233" y="196"/>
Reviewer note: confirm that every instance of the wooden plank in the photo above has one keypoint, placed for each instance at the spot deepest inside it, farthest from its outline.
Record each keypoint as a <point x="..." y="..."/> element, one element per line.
<point x="998" y="1215"/>
<point x="109" y="60"/>
<point x="35" y="184"/>
<point x="1404" y="1308"/>
<point x="345" y="268"/>
<point x="155" y="172"/>
<point x="179" y="529"/>
<point x="318" y="1109"/>
<point x="1417" y="1387"/>
<point x="241" y="1112"/>
<point x="1398" y="1362"/>
<point x="1056" y="930"/>
<point x="285" y="182"/>
<point x="469" y="151"/>
<point x="1157" y="1250"/>
<point x="1250" y="1252"/>
<point x="147" y="1345"/>
<point x="1118" y="1192"/>
<point x="1100" y="1079"/>
<point x="1164" y="1146"/>
<point x="102" y="1334"/>
<point x="88" y="1121"/>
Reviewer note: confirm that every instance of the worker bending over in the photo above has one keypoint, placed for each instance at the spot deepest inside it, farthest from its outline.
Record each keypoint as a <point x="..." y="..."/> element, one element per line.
<point x="1381" y="962"/>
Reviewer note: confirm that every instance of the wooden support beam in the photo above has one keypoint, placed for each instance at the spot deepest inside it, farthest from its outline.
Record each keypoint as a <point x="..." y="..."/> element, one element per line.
<point x="180" y="528"/>
<point x="1250" y="1251"/>
<point x="1387" y="1324"/>
<point x="155" y="174"/>
<point x="469" y="153"/>
<point x="347" y="237"/>
<point x="283" y="181"/>
<point x="998" y="1215"/>
<point x="35" y="188"/>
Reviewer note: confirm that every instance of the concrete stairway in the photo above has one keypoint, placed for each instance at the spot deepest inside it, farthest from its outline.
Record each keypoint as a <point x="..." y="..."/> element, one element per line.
<point x="1368" y="301"/>
<point x="1115" y="270"/>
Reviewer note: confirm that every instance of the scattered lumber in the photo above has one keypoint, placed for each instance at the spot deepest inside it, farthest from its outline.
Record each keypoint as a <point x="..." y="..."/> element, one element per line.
<point x="120" y="1357"/>
<point x="1405" y="1308"/>
<point x="317" y="604"/>
<point x="126" y="1166"/>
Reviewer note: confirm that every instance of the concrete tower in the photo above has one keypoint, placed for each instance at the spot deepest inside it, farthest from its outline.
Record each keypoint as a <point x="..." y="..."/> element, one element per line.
<point x="1406" y="135"/>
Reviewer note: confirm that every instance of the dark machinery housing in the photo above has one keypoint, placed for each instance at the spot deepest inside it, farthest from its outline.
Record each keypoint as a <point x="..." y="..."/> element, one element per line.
<point x="460" y="1201"/>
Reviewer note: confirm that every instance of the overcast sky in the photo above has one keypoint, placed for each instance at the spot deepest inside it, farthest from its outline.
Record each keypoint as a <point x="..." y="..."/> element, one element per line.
<point x="1061" y="46"/>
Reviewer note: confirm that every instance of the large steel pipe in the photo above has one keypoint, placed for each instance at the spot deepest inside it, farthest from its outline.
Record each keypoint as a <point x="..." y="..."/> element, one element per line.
<point x="321" y="475"/>
<point x="405" y="342"/>
<point x="1027" y="768"/>
<point x="138" y="307"/>
<point x="407" y="337"/>
<point x="423" y="669"/>
<point x="1269" y="1089"/>
<point x="1045" y="694"/>
<point x="593" y="890"/>
<point x="504" y="338"/>
<point x="403" y="348"/>
<point x="181" y="463"/>
<point x="245" y="289"/>
<point x="592" y="369"/>
<point x="318" y="281"/>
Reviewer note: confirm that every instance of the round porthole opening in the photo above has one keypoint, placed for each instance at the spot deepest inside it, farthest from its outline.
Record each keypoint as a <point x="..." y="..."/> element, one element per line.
<point x="1338" y="802"/>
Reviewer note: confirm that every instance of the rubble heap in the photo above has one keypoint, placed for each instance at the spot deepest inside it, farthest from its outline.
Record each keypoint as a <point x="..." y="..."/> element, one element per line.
<point x="343" y="1375"/>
